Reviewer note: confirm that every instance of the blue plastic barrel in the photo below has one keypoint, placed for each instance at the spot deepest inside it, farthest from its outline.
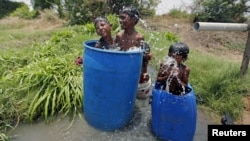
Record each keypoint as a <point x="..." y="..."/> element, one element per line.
<point x="173" y="117"/>
<point x="110" y="85"/>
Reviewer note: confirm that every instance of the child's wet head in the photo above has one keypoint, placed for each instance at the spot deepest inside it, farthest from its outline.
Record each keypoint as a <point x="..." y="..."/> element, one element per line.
<point x="98" y="19"/>
<point x="132" y="12"/>
<point x="102" y="26"/>
<point x="179" y="48"/>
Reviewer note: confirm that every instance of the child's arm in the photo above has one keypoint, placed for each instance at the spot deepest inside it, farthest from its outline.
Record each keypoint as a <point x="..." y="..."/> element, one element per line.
<point x="163" y="72"/>
<point x="97" y="45"/>
<point x="139" y="38"/>
<point x="186" y="76"/>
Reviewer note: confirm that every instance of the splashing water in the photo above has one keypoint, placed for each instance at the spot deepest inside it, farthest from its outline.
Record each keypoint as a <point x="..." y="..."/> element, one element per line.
<point x="134" y="48"/>
<point x="171" y="65"/>
<point x="169" y="62"/>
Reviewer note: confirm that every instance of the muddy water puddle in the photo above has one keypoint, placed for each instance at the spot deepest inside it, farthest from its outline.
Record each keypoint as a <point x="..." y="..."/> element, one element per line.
<point x="80" y="130"/>
<point x="137" y="130"/>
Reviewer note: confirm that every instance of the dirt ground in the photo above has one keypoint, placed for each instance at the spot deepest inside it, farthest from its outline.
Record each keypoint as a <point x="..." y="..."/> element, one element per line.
<point x="205" y="41"/>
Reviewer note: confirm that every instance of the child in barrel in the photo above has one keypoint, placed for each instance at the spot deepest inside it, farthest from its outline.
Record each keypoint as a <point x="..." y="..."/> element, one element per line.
<point x="103" y="29"/>
<point x="129" y="38"/>
<point x="173" y="74"/>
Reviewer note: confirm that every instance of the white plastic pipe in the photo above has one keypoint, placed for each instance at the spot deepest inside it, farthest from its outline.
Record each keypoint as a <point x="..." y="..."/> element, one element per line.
<point x="208" y="26"/>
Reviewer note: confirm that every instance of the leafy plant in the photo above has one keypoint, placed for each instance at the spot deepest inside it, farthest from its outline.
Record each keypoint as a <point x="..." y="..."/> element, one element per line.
<point x="113" y="19"/>
<point x="54" y="86"/>
<point x="4" y="137"/>
<point x="171" y="37"/>
<point x="48" y="83"/>
<point x="89" y="28"/>
<point x="24" y="12"/>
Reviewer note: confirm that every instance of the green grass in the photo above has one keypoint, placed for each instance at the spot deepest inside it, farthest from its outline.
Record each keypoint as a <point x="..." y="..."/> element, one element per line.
<point x="219" y="83"/>
<point x="4" y="27"/>
<point x="236" y="46"/>
<point x="14" y="38"/>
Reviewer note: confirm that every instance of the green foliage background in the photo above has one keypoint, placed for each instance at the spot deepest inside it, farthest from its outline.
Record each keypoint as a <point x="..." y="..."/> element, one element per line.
<point x="77" y="11"/>
<point x="221" y="10"/>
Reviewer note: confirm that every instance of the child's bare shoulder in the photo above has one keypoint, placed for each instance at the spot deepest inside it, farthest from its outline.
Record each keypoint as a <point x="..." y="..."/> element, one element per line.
<point x="139" y="36"/>
<point x="119" y="34"/>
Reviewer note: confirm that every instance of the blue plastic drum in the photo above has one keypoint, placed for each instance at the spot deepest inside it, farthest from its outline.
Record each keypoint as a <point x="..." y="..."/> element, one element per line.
<point x="110" y="85"/>
<point x="173" y="117"/>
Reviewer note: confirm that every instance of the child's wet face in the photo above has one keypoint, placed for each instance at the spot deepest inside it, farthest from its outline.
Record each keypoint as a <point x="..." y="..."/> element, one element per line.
<point x="125" y="21"/>
<point x="178" y="58"/>
<point x="103" y="28"/>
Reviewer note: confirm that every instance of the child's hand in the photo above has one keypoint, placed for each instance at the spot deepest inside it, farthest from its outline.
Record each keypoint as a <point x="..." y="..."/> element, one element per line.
<point x="79" y="61"/>
<point x="147" y="56"/>
<point x="175" y="69"/>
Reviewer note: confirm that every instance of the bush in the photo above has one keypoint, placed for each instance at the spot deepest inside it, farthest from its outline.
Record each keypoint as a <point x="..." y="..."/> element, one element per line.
<point x="24" y="12"/>
<point x="176" y="13"/>
<point x="114" y="21"/>
<point x="171" y="37"/>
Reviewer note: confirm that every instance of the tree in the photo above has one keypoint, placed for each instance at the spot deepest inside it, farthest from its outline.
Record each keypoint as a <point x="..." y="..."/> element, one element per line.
<point x="50" y="4"/>
<point x="42" y="4"/>
<point x="83" y="11"/>
<point x="146" y="7"/>
<point x="6" y="7"/>
<point x="221" y="10"/>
